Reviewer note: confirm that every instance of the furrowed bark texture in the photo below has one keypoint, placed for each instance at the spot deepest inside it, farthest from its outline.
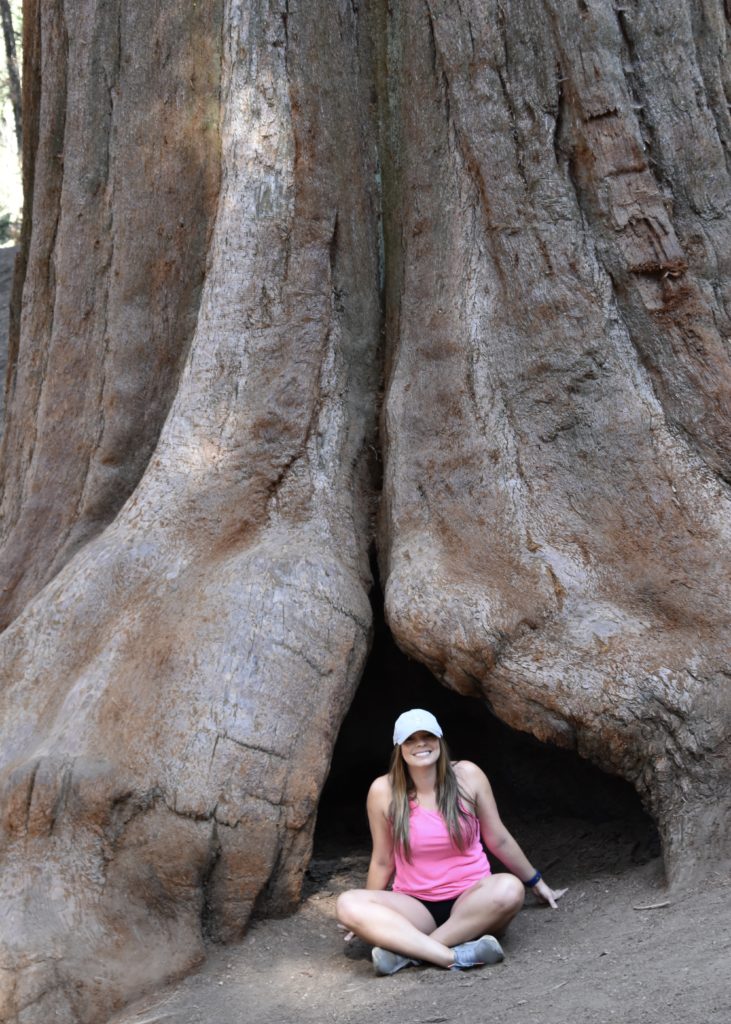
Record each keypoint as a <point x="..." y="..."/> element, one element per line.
<point x="170" y="701"/>
<point x="194" y="379"/>
<point x="555" y="530"/>
<point x="109" y="279"/>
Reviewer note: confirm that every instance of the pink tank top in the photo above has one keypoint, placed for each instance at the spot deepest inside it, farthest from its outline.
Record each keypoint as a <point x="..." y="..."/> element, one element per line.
<point x="439" y="870"/>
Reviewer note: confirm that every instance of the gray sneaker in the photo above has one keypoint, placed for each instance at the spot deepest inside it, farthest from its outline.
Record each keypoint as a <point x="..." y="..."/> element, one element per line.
<point x="386" y="962"/>
<point x="486" y="950"/>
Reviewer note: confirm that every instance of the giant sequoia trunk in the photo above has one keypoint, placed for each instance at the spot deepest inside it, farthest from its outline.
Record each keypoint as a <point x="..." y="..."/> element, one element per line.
<point x="189" y="454"/>
<point x="557" y="425"/>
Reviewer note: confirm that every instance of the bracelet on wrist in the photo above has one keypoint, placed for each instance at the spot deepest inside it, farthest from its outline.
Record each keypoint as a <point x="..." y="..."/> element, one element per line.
<point x="532" y="882"/>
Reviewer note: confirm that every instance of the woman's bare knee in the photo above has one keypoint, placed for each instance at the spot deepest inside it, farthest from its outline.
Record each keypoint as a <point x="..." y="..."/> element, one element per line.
<point x="503" y="893"/>
<point x="509" y="894"/>
<point x="348" y="908"/>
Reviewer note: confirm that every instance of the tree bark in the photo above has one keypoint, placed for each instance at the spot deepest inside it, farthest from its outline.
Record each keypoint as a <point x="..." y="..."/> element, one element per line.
<point x="110" y="278"/>
<point x="171" y="698"/>
<point x="555" y="533"/>
<point x="190" y="470"/>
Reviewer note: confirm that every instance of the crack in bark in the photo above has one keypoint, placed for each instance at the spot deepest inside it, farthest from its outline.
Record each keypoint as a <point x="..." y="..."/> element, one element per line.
<point x="493" y="229"/>
<point x="639" y="100"/>
<point x="112" y="82"/>
<point x="439" y="67"/>
<point x="316" y="403"/>
<point x="285" y="26"/>
<point x="268" y="885"/>
<point x="465" y="18"/>
<point x="136" y="804"/>
<point x="299" y="653"/>
<point x="207" y="882"/>
<point x="714" y="107"/>
<point x="247" y="745"/>
<point x="29" y="794"/>
<point x="558" y="123"/>
<point x="503" y="74"/>
<point x="61" y="798"/>
<point x="472" y="163"/>
<point x="50" y="259"/>
<point x="346" y="613"/>
<point x="317" y="595"/>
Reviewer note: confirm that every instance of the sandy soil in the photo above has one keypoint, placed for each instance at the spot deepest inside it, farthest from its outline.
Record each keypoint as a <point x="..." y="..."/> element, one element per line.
<point x="600" y="958"/>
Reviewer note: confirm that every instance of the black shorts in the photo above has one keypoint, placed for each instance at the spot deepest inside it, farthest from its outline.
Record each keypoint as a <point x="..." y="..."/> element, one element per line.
<point x="439" y="909"/>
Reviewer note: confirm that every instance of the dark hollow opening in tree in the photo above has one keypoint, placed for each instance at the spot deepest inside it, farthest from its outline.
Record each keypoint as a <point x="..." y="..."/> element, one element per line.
<point x="571" y="816"/>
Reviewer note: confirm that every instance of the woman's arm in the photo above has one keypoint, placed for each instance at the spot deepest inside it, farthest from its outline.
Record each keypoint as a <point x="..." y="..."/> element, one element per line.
<point x="494" y="833"/>
<point x="380" y="870"/>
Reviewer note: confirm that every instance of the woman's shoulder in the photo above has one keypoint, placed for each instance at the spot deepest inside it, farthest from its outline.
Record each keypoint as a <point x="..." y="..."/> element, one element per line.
<point x="380" y="789"/>
<point x="468" y="773"/>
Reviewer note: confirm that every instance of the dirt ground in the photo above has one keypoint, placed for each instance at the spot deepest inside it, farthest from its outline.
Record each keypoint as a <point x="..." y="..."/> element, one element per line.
<point x="621" y="947"/>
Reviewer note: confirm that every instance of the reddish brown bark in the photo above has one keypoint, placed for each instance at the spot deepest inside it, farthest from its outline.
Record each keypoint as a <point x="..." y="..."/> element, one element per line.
<point x="190" y="454"/>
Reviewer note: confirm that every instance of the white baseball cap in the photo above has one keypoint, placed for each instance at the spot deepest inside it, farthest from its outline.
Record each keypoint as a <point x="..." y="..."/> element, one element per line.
<point x="416" y="720"/>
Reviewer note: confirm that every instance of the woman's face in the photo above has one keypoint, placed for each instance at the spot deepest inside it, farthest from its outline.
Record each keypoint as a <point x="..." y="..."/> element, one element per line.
<point x="421" y="748"/>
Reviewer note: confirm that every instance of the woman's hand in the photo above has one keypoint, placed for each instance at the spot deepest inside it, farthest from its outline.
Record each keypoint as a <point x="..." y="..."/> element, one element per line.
<point x="548" y="895"/>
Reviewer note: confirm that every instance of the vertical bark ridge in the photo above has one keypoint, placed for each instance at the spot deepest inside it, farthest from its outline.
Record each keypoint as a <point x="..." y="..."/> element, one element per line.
<point x="672" y="313"/>
<point x="579" y="423"/>
<point x="141" y="295"/>
<point x="230" y="591"/>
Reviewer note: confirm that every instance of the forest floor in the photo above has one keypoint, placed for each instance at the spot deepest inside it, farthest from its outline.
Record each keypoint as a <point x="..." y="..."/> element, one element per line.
<point x="620" y="948"/>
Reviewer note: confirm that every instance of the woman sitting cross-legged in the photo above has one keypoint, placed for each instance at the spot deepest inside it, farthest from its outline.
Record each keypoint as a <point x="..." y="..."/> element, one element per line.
<point x="426" y="818"/>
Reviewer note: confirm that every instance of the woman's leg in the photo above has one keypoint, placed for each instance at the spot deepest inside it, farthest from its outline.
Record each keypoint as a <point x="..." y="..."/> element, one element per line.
<point x="486" y="907"/>
<point x="394" y="921"/>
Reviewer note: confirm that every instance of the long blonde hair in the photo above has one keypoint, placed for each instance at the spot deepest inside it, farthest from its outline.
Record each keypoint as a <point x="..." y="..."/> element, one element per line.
<point x="452" y="801"/>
